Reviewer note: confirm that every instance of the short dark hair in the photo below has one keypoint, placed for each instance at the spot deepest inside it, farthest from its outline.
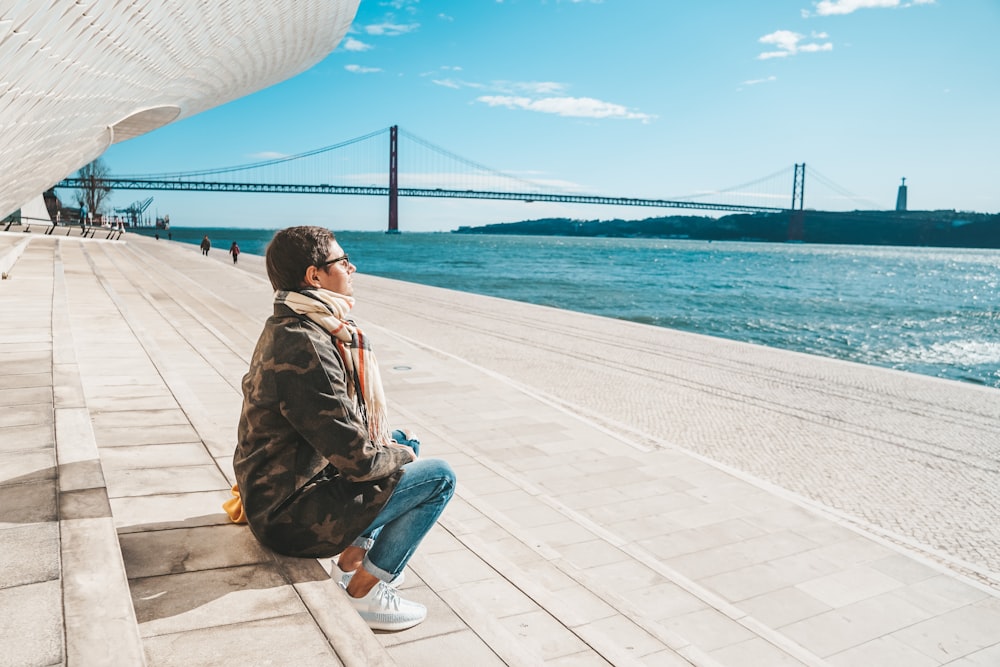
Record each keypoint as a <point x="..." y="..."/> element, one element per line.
<point x="292" y="251"/>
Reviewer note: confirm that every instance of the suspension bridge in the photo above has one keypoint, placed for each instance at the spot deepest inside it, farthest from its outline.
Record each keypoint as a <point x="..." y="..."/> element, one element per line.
<point x="358" y="165"/>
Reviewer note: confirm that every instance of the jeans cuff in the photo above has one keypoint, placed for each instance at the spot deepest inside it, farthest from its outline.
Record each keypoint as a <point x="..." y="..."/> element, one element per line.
<point x="371" y="568"/>
<point x="364" y="542"/>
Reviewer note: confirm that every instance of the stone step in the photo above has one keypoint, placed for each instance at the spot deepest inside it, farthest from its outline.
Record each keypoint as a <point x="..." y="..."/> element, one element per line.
<point x="459" y="612"/>
<point x="11" y="248"/>
<point x="201" y="587"/>
<point x="566" y="613"/>
<point x="65" y="590"/>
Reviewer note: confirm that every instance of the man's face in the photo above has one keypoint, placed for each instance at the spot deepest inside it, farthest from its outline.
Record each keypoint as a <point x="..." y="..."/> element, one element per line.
<point x="338" y="273"/>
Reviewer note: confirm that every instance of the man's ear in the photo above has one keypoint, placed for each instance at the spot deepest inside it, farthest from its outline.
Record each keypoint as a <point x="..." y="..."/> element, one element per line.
<point x="311" y="277"/>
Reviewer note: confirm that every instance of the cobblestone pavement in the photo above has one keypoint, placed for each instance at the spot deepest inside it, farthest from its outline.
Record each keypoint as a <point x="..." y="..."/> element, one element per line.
<point x="913" y="458"/>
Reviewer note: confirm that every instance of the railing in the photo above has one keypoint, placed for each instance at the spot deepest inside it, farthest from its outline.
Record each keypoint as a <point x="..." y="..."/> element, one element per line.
<point x="86" y="230"/>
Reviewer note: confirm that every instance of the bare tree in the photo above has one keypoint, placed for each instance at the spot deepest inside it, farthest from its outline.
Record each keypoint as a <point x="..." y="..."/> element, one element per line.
<point x="95" y="189"/>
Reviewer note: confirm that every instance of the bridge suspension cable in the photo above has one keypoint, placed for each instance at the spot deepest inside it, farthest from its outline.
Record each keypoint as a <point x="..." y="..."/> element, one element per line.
<point x="843" y="192"/>
<point x="261" y="164"/>
<point x="476" y="166"/>
<point x="770" y="178"/>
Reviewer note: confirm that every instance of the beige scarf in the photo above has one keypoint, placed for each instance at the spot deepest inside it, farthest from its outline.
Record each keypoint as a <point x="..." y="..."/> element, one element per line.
<point x="364" y="383"/>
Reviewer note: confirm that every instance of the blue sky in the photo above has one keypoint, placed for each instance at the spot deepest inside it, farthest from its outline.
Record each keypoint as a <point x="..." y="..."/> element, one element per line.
<point x="642" y="98"/>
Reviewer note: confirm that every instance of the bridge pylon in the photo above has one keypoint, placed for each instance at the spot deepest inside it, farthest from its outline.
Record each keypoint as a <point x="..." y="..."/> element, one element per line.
<point x="796" y="223"/>
<point x="393" y="180"/>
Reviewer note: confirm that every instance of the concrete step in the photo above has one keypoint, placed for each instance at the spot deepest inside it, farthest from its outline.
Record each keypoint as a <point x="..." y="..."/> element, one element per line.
<point x="11" y="248"/>
<point x="726" y="564"/>
<point x="162" y="414"/>
<point x="459" y="618"/>
<point x="505" y="643"/>
<point x="64" y="591"/>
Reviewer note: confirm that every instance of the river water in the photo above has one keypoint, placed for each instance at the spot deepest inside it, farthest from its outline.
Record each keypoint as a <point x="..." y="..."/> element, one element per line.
<point x="934" y="311"/>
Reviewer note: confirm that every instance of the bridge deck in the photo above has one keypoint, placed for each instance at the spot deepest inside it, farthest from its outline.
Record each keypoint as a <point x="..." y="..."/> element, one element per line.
<point x="627" y="495"/>
<point x="126" y="183"/>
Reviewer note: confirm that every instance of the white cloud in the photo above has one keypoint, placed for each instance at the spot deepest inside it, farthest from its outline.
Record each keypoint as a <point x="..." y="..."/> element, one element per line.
<point x="542" y="87"/>
<point x="544" y="97"/>
<point x="540" y="178"/>
<point x="408" y="5"/>
<point x="443" y="68"/>
<point x="506" y="87"/>
<point x="390" y="29"/>
<point x="573" y="107"/>
<point x="835" y="7"/>
<point x="815" y="48"/>
<point x="358" y="69"/>
<point x="831" y="7"/>
<point x="504" y="101"/>
<point x="754" y="82"/>
<point x="516" y="87"/>
<point x="456" y="84"/>
<point x="783" y="39"/>
<point x="788" y="43"/>
<point x="356" y="45"/>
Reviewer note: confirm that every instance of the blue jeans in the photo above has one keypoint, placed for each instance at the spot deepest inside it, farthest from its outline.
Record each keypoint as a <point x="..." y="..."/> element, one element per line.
<point x="412" y="443"/>
<point x="414" y="506"/>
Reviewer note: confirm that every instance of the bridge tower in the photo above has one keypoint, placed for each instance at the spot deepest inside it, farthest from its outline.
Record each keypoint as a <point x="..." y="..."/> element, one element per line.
<point x="796" y="224"/>
<point x="393" y="180"/>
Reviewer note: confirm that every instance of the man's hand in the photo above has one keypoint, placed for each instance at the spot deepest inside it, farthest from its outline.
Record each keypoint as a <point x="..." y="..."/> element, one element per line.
<point x="409" y="450"/>
<point x="408" y="439"/>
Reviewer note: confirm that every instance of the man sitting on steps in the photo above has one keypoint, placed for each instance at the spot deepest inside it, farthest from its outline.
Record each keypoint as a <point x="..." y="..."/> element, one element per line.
<point x="317" y="468"/>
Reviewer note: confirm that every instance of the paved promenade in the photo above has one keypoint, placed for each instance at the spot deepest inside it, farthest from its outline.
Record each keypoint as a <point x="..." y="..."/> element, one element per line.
<point x="627" y="495"/>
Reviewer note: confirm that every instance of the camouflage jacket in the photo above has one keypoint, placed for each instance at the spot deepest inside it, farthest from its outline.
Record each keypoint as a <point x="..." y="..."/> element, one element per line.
<point x="310" y="478"/>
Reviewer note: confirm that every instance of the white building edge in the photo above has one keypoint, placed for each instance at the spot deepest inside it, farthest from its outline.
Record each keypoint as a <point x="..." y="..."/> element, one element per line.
<point x="78" y="76"/>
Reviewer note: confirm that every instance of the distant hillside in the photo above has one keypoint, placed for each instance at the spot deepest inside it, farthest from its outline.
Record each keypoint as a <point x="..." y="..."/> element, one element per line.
<point x="921" y="228"/>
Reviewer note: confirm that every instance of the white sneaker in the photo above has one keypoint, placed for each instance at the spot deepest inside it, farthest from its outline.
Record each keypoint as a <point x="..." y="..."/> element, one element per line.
<point x="383" y="609"/>
<point x="395" y="582"/>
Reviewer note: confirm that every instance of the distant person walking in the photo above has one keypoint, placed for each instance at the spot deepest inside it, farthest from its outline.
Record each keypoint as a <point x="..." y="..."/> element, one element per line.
<point x="234" y="250"/>
<point x="206" y="245"/>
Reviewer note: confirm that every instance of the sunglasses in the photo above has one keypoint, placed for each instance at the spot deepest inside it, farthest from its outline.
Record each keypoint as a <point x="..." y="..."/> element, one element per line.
<point x="344" y="258"/>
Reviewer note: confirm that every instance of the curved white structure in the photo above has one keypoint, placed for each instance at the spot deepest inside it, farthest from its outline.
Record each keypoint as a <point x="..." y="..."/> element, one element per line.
<point x="76" y="77"/>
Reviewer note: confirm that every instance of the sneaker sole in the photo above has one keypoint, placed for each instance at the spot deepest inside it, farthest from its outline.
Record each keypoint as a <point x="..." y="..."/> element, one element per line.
<point x="376" y="624"/>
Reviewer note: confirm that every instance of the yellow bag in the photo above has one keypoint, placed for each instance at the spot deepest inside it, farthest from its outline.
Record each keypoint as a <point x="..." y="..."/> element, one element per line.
<point x="234" y="507"/>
